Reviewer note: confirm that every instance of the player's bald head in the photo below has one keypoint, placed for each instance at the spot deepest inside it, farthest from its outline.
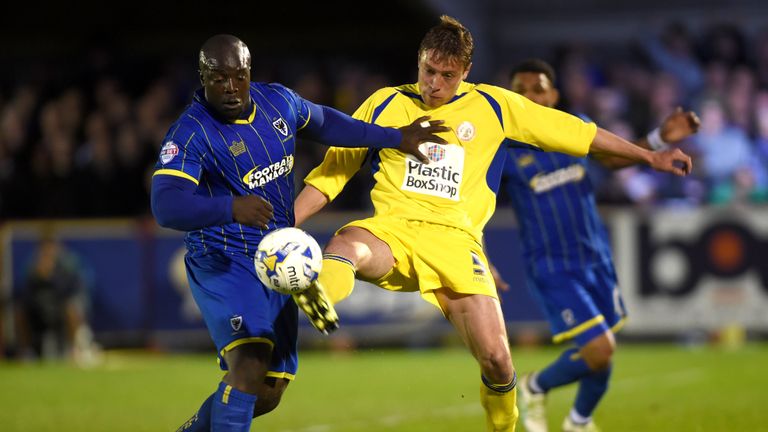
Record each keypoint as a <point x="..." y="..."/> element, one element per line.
<point x="224" y="50"/>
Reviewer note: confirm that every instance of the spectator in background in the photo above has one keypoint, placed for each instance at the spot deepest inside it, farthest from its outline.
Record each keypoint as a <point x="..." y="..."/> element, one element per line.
<point x="760" y="160"/>
<point x="725" y="153"/>
<point x="674" y="53"/>
<point x="51" y="306"/>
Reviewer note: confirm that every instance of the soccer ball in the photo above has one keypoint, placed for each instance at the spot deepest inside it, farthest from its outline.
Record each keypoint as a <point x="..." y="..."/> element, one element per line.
<point x="288" y="260"/>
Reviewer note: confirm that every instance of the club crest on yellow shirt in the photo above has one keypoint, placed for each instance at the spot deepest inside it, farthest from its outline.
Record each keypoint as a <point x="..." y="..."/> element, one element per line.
<point x="465" y="131"/>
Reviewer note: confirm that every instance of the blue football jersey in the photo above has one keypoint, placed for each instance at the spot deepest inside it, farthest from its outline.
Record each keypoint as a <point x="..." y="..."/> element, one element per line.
<point x="254" y="155"/>
<point x="554" y="201"/>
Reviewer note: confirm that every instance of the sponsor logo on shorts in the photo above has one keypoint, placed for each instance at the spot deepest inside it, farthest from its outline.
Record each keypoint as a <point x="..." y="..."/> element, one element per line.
<point x="442" y="177"/>
<point x="168" y="152"/>
<point x="258" y="177"/>
<point x="479" y="270"/>
<point x="478" y="267"/>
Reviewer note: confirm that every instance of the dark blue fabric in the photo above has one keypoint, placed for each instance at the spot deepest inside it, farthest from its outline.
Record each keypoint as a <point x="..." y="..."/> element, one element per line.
<point x="333" y="127"/>
<point x="564" y="370"/>
<point x="201" y="422"/>
<point x="176" y="205"/>
<point x="591" y="389"/>
<point x="233" y="415"/>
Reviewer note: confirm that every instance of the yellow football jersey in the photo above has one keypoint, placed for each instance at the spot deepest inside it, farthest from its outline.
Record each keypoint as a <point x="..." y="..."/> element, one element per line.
<point x="458" y="187"/>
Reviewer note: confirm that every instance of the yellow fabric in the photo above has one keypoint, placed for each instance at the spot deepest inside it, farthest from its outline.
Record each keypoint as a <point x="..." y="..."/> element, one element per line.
<point x="579" y="329"/>
<point x="500" y="409"/>
<point x="337" y="279"/>
<point x="430" y="256"/>
<point x="453" y="189"/>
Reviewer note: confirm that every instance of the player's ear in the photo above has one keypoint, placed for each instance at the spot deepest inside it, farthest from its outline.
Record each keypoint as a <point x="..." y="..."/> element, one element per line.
<point x="466" y="72"/>
<point x="202" y="77"/>
<point x="555" y="97"/>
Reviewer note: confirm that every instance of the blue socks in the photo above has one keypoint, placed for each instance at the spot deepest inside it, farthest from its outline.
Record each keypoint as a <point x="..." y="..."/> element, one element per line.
<point x="591" y="389"/>
<point x="201" y="421"/>
<point x="227" y="410"/>
<point x="232" y="410"/>
<point x="568" y="368"/>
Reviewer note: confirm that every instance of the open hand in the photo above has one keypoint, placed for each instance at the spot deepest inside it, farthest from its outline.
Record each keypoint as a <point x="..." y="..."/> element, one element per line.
<point x="251" y="210"/>
<point x="420" y="131"/>
<point x="672" y="161"/>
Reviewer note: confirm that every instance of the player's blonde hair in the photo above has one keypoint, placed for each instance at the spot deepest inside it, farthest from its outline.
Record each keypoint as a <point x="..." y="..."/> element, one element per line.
<point x="449" y="40"/>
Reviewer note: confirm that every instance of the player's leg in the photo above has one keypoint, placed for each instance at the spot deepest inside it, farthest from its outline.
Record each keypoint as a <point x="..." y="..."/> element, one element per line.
<point x="352" y="250"/>
<point x="480" y="323"/>
<point x="254" y="331"/>
<point x="232" y="406"/>
<point x="597" y="354"/>
<point x="269" y="395"/>
<point x="580" y="307"/>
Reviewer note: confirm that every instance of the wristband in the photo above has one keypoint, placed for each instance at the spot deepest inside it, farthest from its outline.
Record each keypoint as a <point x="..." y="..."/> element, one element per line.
<point x="654" y="140"/>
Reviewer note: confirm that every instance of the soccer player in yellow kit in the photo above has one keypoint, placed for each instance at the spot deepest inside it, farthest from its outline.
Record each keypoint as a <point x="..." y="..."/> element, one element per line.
<point x="426" y="233"/>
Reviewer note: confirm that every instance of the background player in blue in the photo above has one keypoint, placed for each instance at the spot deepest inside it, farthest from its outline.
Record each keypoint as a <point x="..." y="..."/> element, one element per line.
<point x="568" y="257"/>
<point x="225" y="176"/>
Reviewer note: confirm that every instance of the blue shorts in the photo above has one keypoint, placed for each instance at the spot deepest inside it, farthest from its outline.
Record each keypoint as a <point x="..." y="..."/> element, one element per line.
<point x="238" y="308"/>
<point x="580" y="305"/>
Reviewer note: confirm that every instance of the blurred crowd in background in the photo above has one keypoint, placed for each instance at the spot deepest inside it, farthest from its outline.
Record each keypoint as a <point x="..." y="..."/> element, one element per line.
<point x="83" y="142"/>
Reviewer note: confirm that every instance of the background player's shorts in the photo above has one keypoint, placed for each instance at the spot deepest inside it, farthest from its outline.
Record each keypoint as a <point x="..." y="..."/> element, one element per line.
<point x="580" y="305"/>
<point x="430" y="256"/>
<point x="239" y="309"/>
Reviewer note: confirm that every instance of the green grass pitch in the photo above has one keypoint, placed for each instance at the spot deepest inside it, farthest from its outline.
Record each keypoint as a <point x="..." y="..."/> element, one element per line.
<point x="655" y="388"/>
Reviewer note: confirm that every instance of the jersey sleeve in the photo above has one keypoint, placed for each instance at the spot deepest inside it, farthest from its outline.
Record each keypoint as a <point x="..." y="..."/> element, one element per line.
<point x="337" y="168"/>
<point x="340" y="164"/>
<point x="182" y="153"/>
<point x="300" y="106"/>
<point x="547" y="128"/>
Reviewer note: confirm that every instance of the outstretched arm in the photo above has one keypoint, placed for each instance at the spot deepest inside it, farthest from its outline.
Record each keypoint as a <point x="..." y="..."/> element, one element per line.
<point x="673" y="161"/>
<point x="335" y="128"/>
<point x="309" y="202"/>
<point x="675" y="128"/>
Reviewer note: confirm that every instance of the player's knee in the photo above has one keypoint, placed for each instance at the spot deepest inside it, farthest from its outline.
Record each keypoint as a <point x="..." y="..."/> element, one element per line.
<point x="344" y="244"/>
<point x="497" y="366"/>
<point x="265" y="404"/>
<point x="599" y="356"/>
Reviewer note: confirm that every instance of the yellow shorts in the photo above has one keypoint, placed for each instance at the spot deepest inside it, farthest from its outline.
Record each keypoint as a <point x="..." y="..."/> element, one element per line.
<point x="430" y="256"/>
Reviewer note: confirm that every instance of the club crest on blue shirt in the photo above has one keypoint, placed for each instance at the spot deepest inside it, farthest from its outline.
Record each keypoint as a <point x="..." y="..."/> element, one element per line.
<point x="168" y="152"/>
<point x="281" y="126"/>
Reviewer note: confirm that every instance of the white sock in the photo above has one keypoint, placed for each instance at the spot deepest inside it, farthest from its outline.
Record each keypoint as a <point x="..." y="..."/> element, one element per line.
<point x="533" y="385"/>
<point x="578" y="418"/>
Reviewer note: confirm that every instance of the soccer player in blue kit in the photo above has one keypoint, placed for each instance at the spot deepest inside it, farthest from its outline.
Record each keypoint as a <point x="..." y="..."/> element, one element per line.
<point x="567" y="256"/>
<point x="225" y="177"/>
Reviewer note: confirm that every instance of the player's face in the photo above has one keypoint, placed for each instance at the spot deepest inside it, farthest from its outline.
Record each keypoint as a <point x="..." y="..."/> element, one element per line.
<point x="439" y="79"/>
<point x="536" y="87"/>
<point x="227" y="81"/>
